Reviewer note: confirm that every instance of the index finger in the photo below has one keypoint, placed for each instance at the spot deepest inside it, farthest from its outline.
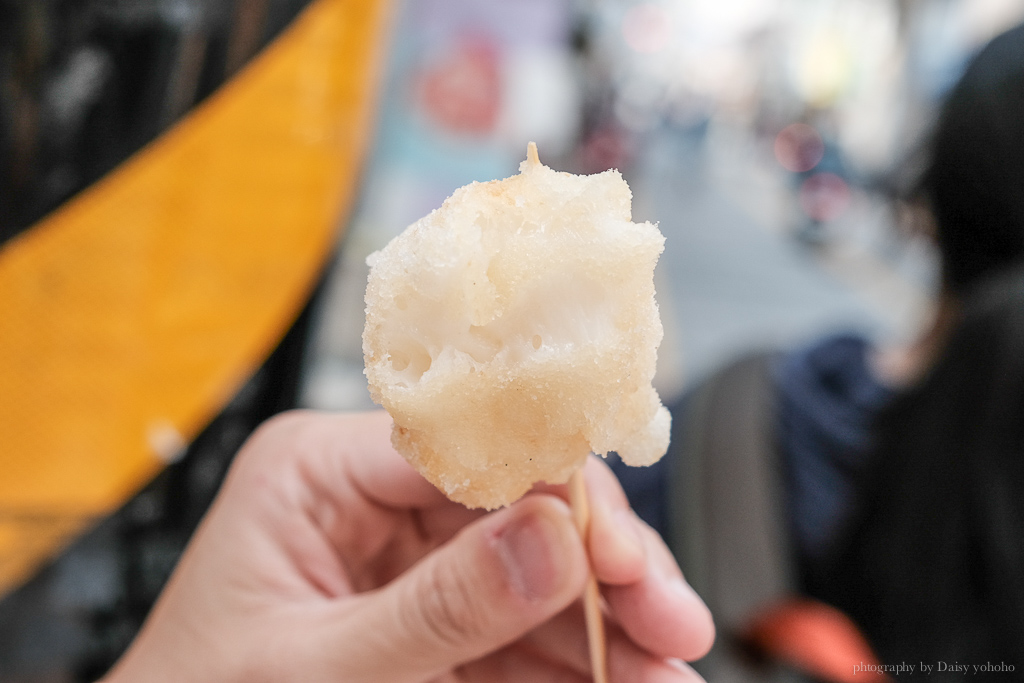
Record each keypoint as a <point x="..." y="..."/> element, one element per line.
<point x="614" y="539"/>
<point x="380" y="473"/>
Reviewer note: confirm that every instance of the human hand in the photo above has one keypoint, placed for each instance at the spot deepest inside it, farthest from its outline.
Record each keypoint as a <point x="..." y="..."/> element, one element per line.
<point x="325" y="557"/>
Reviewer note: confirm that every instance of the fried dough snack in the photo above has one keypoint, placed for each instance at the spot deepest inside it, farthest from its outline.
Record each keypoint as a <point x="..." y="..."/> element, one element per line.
<point x="514" y="330"/>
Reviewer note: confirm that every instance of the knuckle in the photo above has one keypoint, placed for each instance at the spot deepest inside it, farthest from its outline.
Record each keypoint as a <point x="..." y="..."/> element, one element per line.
<point x="284" y="424"/>
<point x="284" y="431"/>
<point x="450" y="610"/>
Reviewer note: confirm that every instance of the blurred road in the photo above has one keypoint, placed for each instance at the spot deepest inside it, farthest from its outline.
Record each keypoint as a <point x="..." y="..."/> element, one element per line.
<point x="731" y="279"/>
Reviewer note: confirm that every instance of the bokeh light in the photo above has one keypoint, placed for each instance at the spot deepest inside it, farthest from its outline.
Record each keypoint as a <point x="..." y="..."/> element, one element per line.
<point x="647" y="28"/>
<point x="799" y="147"/>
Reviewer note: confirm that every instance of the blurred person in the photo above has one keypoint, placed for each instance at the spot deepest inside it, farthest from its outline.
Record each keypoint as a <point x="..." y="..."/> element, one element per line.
<point x="885" y="482"/>
<point x="932" y="565"/>
<point x="932" y="560"/>
<point x="326" y="557"/>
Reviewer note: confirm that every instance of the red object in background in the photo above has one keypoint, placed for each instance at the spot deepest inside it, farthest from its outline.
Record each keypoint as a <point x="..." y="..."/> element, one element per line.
<point x="799" y="147"/>
<point x="462" y="92"/>
<point x="824" y="196"/>
<point x="817" y="639"/>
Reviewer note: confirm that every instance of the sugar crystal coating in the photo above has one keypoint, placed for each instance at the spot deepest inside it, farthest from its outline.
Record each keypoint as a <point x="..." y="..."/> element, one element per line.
<point x="514" y="330"/>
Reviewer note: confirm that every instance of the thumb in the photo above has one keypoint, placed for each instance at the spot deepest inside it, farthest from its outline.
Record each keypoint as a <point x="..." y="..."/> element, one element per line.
<point x="496" y="580"/>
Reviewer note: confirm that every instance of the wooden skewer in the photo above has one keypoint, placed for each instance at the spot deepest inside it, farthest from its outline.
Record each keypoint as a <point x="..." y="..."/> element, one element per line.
<point x="531" y="154"/>
<point x="591" y="595"/>
<point x="581" y="515"/>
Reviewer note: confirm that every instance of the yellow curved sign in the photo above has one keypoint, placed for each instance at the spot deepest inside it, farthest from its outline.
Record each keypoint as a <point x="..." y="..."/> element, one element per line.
<point x="132" y="314"/>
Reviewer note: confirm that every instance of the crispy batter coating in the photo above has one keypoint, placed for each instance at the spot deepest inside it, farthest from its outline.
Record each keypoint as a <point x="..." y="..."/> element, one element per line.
<point x="514" y="330"/>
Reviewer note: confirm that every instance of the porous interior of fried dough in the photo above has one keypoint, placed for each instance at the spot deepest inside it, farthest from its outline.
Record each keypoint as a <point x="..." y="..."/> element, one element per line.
<point x="514" y="330"/>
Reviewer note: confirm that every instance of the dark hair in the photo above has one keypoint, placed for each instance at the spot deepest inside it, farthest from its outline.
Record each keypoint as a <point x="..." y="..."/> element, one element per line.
<point x="935" y="569"/>
<point x="975" y="179"/>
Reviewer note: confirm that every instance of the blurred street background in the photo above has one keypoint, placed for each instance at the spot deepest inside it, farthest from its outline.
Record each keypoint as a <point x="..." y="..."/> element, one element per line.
<point x="775" y="142"/>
